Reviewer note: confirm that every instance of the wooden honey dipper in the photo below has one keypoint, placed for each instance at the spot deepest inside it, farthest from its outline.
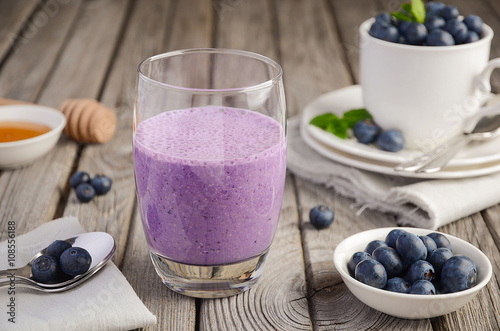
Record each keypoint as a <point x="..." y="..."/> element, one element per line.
<point x="87" y="120"/>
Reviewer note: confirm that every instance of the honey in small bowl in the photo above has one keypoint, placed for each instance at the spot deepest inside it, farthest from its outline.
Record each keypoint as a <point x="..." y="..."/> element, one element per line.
<point x="20" y="130"/>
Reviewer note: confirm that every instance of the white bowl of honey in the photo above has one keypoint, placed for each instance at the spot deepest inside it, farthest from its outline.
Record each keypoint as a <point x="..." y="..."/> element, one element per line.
<point x="27" y="132"/>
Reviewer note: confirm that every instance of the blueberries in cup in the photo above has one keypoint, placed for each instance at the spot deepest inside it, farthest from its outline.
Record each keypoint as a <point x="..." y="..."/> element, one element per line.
<point x="409" y="269"/>
<point x="432" y="24"/>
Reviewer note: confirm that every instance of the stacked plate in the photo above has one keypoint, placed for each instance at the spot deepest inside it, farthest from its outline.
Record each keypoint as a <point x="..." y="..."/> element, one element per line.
<point x="476" y="159"/>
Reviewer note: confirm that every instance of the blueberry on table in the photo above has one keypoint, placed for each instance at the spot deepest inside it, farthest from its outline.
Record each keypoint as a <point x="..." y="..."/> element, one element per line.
<point x="429" y="243"/>
<point x="355" y="259"/>
<point x="366" y="131"/>
<point x="459" y="273"/>
<point x="75" y="261"/>
<point x="392" y="236"/>
<point x="457" y="29"/>
<point x="391" y="141"/>
<point x="474" y="23"/>
<point x="44" y="269"/>
<point x="321" y="216"/>
<point x="56" y="248"/>
<point x="78" y="178"/>
<point x="422" y="287"/>
<point x="416" y="33"/>
<point x="85" y="192"/>
<point x="411" y="248"/>
<point x="449" y="12"/>
<point x="390" y="259"/>
<point x="101" y="184"/>
<point x="373" y="245"/>
<point x="398" y="285"/>
<point x="438" y="259"/>
<point x="439" y="37"/>
<point x="420" y="270"/>
<point x="440" y="240"/>
<point x="372" y="273"/>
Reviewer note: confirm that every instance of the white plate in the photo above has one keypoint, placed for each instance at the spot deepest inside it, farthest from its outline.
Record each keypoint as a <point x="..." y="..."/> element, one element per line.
<point x="342" y="100"/>
<point x="388" y="168"/>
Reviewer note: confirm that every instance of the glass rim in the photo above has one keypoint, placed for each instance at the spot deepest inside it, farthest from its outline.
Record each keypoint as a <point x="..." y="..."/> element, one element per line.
<point x="242" y="53"/>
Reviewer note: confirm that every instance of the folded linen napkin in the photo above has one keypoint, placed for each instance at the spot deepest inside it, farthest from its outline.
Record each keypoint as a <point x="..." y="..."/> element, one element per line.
<point x="420" y="203"/>
<point x="104" y="302"/>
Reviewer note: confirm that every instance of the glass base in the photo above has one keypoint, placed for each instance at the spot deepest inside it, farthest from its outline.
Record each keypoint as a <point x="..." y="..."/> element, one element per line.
<point x="209" y="281"/>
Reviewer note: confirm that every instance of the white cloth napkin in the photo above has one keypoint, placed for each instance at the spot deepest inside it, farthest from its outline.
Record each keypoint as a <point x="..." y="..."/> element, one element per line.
<point x="419" y="203"/>
<point x="104" y="302"/>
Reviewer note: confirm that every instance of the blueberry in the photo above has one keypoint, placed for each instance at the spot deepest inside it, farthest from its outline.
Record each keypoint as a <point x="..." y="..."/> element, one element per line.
<point x="373" y="245"/>
<point x="411" y="248"/>
<point x="75" y="261"/>
<point x="459" y="273"/>
<point x="101" y="184"/>
<point x="449" y="12"/>
<point x="372" y="273"/>
<point x="384" y="32"/>
<point x="366" y="131"/>
<point x="402" y="27"/>
<point x="85" y="192"/>
<point x="440" y="240"/>
<point x="471" y="37"/>
<point x="457" y="29"/>
<point x="397" y="284"/>
<point x="384" y="18"/>
<point x="423" y="287"/>
<point x="78" y="178"/>
<point x="420" y="270"/>
<point x="439" y="37"/>
<point x="390" y="259"/>
<point x="434" y="7"/>
<point x="355" y="259"/>
<point x="391" y="141"/>
<point x="438" y="259"/>
<point x="429" y="243"/>
<point x="392" y="236"/>
<point x="474" y="23"/>
<point x="434" y="22"/>
<point x="56" y="248"/>
<point x="321" y="216"/>
<point x="416" y="33"/>
<point x="44" y="269"/>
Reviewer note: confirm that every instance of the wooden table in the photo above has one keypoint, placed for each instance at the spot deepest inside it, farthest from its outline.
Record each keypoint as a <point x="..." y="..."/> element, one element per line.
<point x="58" y="49"/>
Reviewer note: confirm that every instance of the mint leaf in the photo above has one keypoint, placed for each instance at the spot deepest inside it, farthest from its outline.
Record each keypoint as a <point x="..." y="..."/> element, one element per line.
<point x="406" y="7"/>
<point x="321" y="121"/>
<point x="402" y="16"/>
<point x="338" y="127"/>
<point x="418" y="10"/>
<point x="353" y="116"/>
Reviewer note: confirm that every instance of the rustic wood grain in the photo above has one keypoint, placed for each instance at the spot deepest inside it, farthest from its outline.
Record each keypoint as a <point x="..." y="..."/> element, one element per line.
<point x="14" y="15"/>
<point x="311" y="56"/>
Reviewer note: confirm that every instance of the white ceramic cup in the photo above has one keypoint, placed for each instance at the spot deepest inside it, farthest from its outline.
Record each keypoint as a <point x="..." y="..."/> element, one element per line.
<point x="426" y="92"/>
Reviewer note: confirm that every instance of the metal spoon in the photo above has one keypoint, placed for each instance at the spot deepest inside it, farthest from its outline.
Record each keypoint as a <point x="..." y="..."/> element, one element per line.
<point x="100" y="245"/>
<point x="485" y="125"/>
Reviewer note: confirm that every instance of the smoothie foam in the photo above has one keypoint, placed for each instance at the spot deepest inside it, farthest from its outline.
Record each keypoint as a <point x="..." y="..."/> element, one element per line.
<point x="209" y="183"/>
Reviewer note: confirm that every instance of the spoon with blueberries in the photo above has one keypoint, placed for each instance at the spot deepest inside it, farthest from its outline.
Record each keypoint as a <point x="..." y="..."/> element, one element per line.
<point x="64" y="264"/>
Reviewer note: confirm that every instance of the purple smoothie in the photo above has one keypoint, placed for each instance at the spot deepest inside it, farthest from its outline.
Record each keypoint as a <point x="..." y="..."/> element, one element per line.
<point x="209" y="183"/>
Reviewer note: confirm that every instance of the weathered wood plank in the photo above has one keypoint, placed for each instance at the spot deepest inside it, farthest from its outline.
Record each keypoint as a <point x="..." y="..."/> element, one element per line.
<point x="14" y="15"/>
<point x="23" y="74"/>
<point x="311" y="55"/>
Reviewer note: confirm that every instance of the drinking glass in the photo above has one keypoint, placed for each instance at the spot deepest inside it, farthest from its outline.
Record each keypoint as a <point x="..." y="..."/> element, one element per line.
<point x="209" y="163"/>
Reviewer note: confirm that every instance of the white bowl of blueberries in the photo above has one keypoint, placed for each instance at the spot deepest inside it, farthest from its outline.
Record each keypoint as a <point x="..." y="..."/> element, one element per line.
<point x="411" y="273"/>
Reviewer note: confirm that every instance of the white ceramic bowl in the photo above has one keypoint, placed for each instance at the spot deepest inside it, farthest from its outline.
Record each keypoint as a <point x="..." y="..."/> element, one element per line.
<point x="22" y="152"/>
<point x="410" y="306"/>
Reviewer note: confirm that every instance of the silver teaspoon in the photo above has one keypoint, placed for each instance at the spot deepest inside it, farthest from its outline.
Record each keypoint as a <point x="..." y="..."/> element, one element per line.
<point x="100" y="245"/>
<point x="485" y="125"/>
